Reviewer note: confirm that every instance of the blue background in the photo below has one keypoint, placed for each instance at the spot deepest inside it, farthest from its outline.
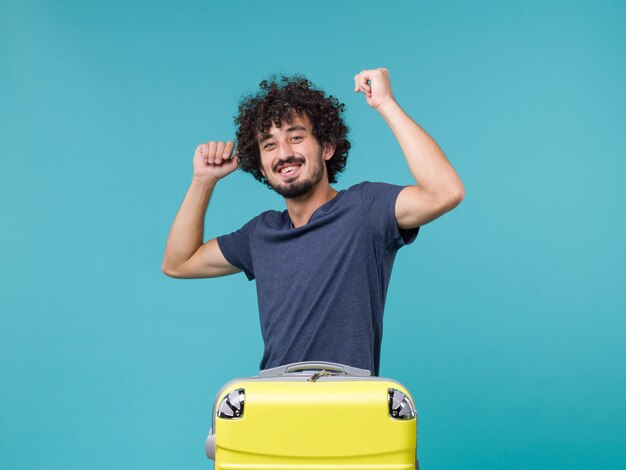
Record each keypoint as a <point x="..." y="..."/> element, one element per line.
<point x="506" y="318"/>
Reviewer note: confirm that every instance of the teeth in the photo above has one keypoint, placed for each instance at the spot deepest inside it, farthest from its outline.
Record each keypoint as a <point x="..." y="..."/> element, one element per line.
<point x="288" y="169"/>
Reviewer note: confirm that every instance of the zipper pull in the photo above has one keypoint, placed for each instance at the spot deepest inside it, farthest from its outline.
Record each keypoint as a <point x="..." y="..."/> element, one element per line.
<point x="317" y="375"/>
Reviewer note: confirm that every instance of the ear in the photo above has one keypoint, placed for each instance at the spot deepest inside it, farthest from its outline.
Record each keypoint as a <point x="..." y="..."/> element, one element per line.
<point x="329" y="151"/>
<point x="260" y="164"/>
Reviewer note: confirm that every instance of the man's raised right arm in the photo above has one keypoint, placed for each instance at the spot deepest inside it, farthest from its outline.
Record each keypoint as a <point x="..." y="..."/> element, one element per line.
<point x="185" y="254"/>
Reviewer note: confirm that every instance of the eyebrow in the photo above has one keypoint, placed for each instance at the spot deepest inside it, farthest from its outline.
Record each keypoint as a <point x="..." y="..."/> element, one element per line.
<point x="266" y="136"/>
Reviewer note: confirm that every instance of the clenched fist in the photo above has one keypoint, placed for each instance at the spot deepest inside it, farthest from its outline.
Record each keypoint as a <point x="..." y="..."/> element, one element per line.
<point x="213" y="161"/>
<point x="375" y="85"/>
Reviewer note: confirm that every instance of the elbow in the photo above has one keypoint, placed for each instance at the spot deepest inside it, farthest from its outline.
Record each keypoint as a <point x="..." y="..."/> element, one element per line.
<point x="454" y="196"/>
<point x="169" y="270"/>
<point x="458" y="195"/>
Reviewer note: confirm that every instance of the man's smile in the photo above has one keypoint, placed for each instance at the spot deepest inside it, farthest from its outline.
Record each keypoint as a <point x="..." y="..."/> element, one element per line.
<point x="290" y="169"/>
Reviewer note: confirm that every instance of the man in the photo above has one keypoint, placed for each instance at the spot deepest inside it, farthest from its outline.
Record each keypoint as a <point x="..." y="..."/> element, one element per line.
<point x="323" y="266"/>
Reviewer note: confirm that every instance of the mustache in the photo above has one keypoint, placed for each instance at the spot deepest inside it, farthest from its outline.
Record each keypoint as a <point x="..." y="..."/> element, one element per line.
<point x="287" y="161"/>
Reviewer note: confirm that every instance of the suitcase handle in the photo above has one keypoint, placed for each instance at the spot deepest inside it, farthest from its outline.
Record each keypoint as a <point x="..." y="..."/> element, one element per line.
<point x="315" y="365"/>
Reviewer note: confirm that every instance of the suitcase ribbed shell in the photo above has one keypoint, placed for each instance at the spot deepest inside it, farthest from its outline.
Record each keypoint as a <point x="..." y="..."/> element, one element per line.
<point x="327" y="424"/>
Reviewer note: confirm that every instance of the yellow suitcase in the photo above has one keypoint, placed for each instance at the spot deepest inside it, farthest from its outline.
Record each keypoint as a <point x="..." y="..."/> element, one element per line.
<point x="310" y="416"/>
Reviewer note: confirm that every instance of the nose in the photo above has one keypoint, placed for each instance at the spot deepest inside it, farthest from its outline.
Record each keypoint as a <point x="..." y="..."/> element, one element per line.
<point x="284" y="149"/>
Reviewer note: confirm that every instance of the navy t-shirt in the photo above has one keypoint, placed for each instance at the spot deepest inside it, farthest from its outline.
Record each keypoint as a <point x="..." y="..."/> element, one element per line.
<point x="321" y="287"/>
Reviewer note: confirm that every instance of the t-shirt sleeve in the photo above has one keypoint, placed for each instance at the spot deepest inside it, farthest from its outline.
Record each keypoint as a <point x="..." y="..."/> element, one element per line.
<point x="236" y="248"/>
<point x="379" y="202"/>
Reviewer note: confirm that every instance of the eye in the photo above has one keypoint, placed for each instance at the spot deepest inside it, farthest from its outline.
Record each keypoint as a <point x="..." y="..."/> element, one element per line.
<point x="297" y="137"/>
<point x="268" y="145"/>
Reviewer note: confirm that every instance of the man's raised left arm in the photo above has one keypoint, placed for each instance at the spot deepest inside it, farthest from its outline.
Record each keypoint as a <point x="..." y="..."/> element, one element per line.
<point x="439" y="188"/>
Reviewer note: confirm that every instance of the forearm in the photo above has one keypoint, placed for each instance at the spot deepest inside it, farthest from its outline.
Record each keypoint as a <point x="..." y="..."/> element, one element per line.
<point x="427" y="162"/>
<point x="187" y="232"/>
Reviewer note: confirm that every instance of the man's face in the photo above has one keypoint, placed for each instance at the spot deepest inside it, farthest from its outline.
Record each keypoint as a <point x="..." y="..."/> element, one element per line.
<point x="292" y="159"/>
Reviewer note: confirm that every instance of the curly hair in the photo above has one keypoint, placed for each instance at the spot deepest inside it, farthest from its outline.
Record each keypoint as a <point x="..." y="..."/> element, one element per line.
<point x="279" y="102"/>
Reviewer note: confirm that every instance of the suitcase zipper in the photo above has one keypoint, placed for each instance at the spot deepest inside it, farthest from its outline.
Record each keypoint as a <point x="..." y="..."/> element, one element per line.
<point x="317" y="375"/>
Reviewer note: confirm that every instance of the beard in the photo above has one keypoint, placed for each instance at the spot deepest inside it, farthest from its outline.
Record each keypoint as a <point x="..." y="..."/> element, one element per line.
<point x="301" y="187"/>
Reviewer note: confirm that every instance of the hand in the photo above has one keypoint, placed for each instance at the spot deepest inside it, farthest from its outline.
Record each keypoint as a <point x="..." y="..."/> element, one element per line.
<point x="375" y="85"/>
<point x="213" y="161"/>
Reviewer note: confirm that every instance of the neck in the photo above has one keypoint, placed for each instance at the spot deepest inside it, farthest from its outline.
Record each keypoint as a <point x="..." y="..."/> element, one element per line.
<point x="301" y="209"/>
